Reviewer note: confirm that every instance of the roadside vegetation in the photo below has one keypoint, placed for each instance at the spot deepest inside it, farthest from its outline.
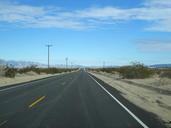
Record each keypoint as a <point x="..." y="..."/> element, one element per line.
<point x="165" y="73"/>
<point x="10" y="71"/>
<point x="136" y="71"/>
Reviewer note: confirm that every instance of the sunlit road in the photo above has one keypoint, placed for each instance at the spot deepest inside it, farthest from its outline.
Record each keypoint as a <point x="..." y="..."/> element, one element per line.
<point x="74" y="100"/>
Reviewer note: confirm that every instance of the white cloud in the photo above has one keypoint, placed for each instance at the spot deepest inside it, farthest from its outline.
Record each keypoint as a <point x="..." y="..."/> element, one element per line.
<point x="157" y="14"/>
<point x="154" y="45"/>
<point x="158" y="3"/>
<point x="163" y="25"/>
<point x="30" y="16"/>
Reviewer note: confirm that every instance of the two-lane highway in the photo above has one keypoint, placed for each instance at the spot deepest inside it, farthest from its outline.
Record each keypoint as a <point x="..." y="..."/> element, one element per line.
<point x="75" y="100"/>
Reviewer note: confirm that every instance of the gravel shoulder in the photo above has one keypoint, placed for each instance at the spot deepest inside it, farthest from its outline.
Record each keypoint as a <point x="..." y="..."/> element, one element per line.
<point x="148" y="99"/>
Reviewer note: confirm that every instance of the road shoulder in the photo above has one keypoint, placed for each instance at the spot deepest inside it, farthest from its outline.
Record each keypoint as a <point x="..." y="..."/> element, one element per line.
<point x="143" y="98"/>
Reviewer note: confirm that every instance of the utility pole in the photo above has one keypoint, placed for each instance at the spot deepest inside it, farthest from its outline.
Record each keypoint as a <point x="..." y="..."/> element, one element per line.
<point x="48" y="46"/>
<point x="71" y="65"/>
<point x="66" y="59"/>
<point x="104" y="63"/>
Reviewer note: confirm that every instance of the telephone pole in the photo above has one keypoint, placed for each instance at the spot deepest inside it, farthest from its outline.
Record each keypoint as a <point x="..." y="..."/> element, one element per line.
<point x="104" y="64"/>
<point x="71" y="65"/>
<point x="48" y="46"/>
<point x="66" y="59"/>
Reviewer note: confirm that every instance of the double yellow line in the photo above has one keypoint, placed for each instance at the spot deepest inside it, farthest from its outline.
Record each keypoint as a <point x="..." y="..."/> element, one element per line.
<point x="36" y="101"/>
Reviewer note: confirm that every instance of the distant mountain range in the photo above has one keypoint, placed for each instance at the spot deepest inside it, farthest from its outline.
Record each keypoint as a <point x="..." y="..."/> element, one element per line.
<point x="160" y="66"/>
<point x="21" y="64"/>
<point x="150" y="66"/>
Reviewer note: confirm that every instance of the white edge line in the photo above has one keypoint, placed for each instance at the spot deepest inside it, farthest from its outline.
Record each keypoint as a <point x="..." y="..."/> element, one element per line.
<point x="132" y="114"/>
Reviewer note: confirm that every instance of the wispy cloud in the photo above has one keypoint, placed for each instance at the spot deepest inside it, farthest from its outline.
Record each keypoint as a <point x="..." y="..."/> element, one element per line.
<point x="154" y="45"/>
<point x="158" y="3"/>
<point x="155" y="12"/>
<point x="31" y="16"/>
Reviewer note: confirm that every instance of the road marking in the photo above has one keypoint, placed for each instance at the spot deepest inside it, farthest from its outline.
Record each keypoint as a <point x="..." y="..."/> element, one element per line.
<point x="37" y="101"/>
<point x="4" y="122"/>
<point x="124" y="107"/>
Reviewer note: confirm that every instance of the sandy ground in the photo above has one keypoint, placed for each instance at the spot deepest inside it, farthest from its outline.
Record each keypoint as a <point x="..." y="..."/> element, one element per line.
<point x="4" y="81"/>
<point x="161" y="83"/>
<point x="150" y="100"/>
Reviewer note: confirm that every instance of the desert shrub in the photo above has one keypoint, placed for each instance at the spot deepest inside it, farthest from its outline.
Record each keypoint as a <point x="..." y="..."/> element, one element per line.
<point x="166" y="74"/>
<point x="28" y="69"/>
<point x="51" y="70"/>
<point x="136" y="70"/>
<point x="109" y="70"/>
<point x="10" y="71"/>
<point x="2" y="70"/>
<point x="157" y="71"/>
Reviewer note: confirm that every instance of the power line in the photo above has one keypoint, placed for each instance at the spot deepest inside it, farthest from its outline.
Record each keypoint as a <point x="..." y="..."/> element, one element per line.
<point x="48" y="46"/>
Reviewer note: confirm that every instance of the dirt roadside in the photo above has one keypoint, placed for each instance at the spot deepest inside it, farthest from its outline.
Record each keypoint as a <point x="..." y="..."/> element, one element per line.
<point x="21" y="78"/>
<point x="148" y="99"/>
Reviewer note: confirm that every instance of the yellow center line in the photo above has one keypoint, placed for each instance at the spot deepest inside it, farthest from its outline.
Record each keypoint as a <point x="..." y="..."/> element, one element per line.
<point x="37" y="101"/>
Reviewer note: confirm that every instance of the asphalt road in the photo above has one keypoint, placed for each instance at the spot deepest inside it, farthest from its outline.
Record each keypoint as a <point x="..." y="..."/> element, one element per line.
<point x="75" y="100"/>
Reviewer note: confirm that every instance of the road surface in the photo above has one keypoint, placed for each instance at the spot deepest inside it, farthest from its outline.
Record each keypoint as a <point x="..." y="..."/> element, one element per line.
<point x="75" y="100"/>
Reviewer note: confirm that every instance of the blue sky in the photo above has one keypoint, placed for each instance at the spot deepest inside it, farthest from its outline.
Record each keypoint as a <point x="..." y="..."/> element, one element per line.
<point x="87" y="32"/>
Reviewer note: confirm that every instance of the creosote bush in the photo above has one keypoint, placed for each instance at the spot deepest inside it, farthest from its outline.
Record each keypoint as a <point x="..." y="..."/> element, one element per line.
<point x="136" y="70"/>
<point x="38" y="70"/>
<point x="166" y="73"/>
<point x="10" y="71"/>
